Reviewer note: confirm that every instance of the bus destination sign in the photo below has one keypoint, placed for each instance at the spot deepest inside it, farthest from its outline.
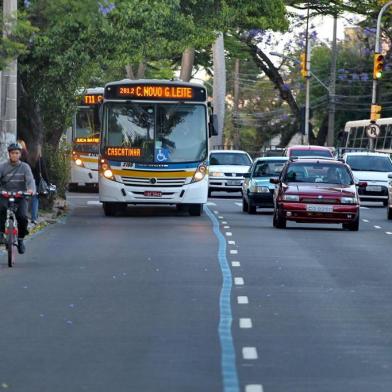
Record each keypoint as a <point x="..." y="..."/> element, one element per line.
<point x="156" y="92"/>
<point x="92" y="99"/>
<point x="123" y="152"/>
<point x="87" y="140"/>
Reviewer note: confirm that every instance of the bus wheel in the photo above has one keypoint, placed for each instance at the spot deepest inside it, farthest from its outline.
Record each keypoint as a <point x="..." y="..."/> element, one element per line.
<point x="72" y="187"/>
<point x="109" y="209"/>
<point x="195" y="209"/>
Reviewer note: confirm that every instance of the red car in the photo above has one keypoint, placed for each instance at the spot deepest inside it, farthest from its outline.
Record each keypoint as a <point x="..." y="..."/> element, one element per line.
<point x="316" y="190"/>
<point x="308" y="151"/>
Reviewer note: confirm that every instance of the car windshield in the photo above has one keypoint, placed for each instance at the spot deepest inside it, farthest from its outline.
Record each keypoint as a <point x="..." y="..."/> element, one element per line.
<point x="319" y="172"/>
<point x="230" y="158"/>
<point x="310" y="153"/>
<point x="369" y="163"/>
<point x="268" y="168"/>
<point x="164" y="133"/>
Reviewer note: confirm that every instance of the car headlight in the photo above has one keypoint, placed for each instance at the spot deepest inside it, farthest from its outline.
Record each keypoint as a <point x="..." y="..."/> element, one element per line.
<point x="290" y="197"/>
<point x="259" y="189"/>
<point x="200" y="173"/>
<point x="348" y="200"/>
<point x="217" y="174"/>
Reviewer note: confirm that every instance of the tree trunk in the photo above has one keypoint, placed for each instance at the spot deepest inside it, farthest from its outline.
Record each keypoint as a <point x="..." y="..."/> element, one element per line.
<point x="188" y="58"/>
<point x="141" y="70"/>
<point x="219" y="91"/>
<point x="129" y="71"/>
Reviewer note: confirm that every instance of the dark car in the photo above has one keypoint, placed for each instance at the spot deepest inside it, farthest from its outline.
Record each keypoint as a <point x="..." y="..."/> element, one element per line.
<point x="257" y="191"/>
<point x="316" y="191"/>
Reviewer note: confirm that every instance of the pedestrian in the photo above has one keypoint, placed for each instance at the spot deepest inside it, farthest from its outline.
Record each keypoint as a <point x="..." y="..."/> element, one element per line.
<point x="15" y="176"/>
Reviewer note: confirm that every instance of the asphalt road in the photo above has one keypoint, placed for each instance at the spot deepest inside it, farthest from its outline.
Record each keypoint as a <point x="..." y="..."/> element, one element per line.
<point x="144" y="303"/>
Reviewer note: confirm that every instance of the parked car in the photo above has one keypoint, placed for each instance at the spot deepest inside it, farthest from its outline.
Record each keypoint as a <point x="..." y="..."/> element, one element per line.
<point x="373" y="168"/>
<point x="308" y="151"/>
<point x="227" y="169"/>
<point x="316" y="191"/>
<point x="257" y="191"/>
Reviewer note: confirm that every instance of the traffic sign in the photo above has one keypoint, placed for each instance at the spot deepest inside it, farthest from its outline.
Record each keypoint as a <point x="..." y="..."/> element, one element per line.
<point x="373" y="131"/>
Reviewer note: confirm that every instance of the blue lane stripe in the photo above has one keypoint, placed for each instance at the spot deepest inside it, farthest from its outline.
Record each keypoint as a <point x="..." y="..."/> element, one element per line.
<point x="228" y="358"/>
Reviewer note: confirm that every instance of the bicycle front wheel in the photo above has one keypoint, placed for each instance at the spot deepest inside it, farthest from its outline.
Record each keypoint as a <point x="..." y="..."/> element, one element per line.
<point x="11" y="250"/>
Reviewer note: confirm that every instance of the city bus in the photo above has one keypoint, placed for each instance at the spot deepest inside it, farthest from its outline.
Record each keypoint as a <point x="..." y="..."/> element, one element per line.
<point x="84" y="136"/>
<point x="355" y="136"/>
<point x="154" y="145"/>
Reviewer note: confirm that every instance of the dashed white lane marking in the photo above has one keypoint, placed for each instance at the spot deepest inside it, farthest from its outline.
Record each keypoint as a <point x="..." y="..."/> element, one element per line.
<point x="78" y="196"/>
<point x="210" y="203"/>
<point x="233" y="251"/>
<point x="216" y="212"/>
<point x="377" y="227"/>
<point x="239" y="281"/>
<point x="364" y="208"/>
<point x="246" y="323"/>
<point x="236" y="264"/>
<point x="249" y="353"/>
<point x="238" y="204"/>
<point x="226" y="227"/>
<point x="254" y="388"/>
<point x="94" y="203"/>
<point x="388" y="232"/>
<point x="242" y="299"/>
<point x="229" y="234"/>
<point x="231" y="242"/>
<point x="224" y="223"/>
<point x="365" y="220"/>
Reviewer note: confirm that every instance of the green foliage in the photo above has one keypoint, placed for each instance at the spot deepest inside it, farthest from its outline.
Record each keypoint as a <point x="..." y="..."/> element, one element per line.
<point x="58" y="164"/>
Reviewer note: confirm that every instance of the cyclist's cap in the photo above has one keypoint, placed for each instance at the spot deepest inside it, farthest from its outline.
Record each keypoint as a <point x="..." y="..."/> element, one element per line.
<point x="14" y="146"/>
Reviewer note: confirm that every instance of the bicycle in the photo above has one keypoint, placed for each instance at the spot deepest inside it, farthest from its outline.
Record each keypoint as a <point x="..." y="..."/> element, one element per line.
<point x="11" y="226"/>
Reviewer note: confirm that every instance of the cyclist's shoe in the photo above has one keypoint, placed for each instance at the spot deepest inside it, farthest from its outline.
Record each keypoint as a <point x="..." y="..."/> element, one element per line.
<point x="21" y="246"/>
<point x="2" y="239"/>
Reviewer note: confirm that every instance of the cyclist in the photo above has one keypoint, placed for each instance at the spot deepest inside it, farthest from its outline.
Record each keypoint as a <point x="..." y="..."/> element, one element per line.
<point x="15" y="176"/>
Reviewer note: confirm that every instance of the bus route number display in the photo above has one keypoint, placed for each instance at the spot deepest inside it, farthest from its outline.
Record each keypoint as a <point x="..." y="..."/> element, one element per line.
<point x="151" y="91"/>
<point x="92" y="99"/>
<point x="87" y="140"/>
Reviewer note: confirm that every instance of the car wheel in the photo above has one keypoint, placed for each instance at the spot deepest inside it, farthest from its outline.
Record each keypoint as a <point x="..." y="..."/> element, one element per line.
<point x="389" y="212"/>
<point x="352" y="226"/>
<point x="251" y="208"/>
<point x="385" y="203"/>
<point x="280" y="220"/>
<point x="244" y="205"/>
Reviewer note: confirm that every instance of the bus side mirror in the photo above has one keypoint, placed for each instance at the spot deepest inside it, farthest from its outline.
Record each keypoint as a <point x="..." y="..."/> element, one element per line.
<point x="213" y="125"/>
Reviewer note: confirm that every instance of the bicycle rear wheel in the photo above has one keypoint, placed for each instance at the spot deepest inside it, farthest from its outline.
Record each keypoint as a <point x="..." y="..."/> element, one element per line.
<point x="11" y="250"/>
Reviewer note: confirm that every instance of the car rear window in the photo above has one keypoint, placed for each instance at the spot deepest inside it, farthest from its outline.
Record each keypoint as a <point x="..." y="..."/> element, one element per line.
<point x="369" y="163"/>
<point x="310" y="153"/>
<point x="228" y="158"/>
<point x="319" y="172"/>
<point x="268" y="168"/>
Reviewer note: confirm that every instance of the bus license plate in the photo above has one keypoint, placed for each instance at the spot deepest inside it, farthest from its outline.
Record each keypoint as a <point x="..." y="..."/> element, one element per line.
<point x="317" y="208"/>
<point x="234" y="182"/>
<point x="373" y="188"/>
<point x="152" y="194"/>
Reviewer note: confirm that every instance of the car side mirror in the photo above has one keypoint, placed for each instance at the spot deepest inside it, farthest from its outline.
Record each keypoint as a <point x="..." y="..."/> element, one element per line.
<point x="362" y="184"/>
<point x="213" y="125"/>
<point x="247" y="175"/>
<point x="274" y="180"/>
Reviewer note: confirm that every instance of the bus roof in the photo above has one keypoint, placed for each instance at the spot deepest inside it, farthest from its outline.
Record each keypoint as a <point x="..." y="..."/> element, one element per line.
<point x="364" y="123"/>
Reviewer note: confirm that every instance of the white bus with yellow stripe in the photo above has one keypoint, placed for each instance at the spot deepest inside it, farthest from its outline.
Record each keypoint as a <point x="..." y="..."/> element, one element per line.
<point x="85" y="140"/>
<point x="154" y="145"/>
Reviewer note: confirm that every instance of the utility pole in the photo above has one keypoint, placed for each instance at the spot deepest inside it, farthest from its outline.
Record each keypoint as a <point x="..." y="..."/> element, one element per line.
<point x="332" y="88"/>
<point x="307" y="87"/>
<point x="236" y="103"/>
<point x="8" y="109"/>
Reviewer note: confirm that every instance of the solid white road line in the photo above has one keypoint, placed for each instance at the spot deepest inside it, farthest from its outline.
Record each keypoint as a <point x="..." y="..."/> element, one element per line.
<point x="246" y="323"/>
<point x="233" y="251"/>
<point x="249" y="353"/>
<point x="254" y="388"/>
<point x="242" y="299"/>
<point x="239" y="281"/>
<point x="236" y="264"/>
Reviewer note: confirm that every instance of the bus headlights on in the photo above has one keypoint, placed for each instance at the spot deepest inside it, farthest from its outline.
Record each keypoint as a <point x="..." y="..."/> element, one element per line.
<point x="105" y="169"/>
<point x="79" y="162"/>
<point x="200" y="173"/>
<point x="108" y="174"/>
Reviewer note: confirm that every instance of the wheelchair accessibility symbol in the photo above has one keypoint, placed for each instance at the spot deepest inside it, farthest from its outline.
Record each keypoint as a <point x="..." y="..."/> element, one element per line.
<point x="162" y="155"/>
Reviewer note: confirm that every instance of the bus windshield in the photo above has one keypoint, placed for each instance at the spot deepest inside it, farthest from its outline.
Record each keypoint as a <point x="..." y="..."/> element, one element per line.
<point x="369" y="163"/>
<point x="86" y="123"/>
<point x="164" y="133"/>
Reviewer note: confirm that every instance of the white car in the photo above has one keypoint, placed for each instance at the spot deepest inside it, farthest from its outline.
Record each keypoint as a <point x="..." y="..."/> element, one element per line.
<point x="372" y="168"/>
<point x="227" y="169"/>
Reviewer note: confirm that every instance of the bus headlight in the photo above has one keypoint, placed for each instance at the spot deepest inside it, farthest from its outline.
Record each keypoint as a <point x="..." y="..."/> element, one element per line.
<point x="217" y="174"/>
<point x="78" y="162"/>
<point x="108" y="174"/>
<point x="200" y="173"/>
